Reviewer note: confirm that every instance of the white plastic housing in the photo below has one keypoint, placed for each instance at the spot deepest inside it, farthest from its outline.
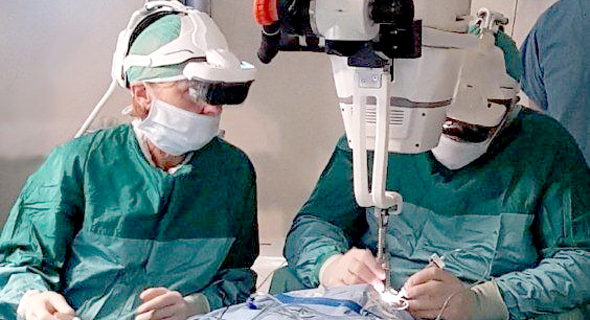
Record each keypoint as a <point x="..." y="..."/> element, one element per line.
<point x="402" y="112"/>
<point x="221" y="66"/>
<point x="483" y="76"/>
<point x="199" y="37"/>
<point x="343" y="20"/>
<point x="403" y="115"/>
<point x="417" y="98"/>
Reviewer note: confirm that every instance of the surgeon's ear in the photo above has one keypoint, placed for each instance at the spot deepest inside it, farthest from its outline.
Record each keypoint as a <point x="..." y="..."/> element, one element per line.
<point x="141" y="100"/>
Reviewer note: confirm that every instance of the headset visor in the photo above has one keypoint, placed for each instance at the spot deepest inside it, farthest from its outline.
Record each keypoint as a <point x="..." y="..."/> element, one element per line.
<point x="218" y="93"/>
<point x="220" y="78"/>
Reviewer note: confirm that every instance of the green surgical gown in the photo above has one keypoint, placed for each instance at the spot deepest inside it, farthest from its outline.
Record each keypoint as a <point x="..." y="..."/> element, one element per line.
<point x="519" y="215"/>
<point x="99" y="224"/>
<point x="557" y="69"/>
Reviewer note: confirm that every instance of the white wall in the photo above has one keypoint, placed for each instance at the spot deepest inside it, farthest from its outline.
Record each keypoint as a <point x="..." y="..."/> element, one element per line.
<point x="55" y="65"/>
<point x="54" y="58"/>
<point x="55" y="62"/>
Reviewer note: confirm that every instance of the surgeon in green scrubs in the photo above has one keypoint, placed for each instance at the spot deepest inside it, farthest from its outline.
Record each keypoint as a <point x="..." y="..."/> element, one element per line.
<point x="504" y="199"/>
<point x="156" y="219"/>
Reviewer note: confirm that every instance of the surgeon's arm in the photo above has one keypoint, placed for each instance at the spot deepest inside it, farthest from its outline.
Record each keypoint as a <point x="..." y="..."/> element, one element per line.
<point x="561" y="280"/>
<point x="235" y="281"/>
<point x="40" y="227"/>
<point x="329" y="223"/>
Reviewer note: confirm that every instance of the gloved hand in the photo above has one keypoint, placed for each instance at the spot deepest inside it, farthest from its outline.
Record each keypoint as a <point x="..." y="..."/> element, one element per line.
<point x="46" y="305"/>
<point x="512" y="56"/>
<point x="354" y="267"/>
<point x="162" y="303"/>
<point x="431" y="290"/>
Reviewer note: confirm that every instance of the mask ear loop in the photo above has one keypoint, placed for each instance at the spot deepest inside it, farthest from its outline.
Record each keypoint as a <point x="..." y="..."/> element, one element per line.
<point x="512" y="114"/>
<point x="150" y="92"/>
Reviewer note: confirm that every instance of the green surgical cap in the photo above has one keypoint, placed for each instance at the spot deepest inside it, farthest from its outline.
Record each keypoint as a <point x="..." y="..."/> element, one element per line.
<point x="154" y="36"/>
<point x="511" y="52"/>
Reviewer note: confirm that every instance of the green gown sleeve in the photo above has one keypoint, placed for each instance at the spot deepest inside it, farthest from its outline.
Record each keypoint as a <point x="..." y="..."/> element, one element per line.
<point x="235" y="281"/>
<point x="561" y="281"/>
<point x="37" y="234"/>
<point x="329" y="220"/>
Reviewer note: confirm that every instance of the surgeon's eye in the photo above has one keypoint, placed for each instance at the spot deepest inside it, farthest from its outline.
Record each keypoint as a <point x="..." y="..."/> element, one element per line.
<point x="504" y="102"/>
<point x="194" y="95"/>
<point x="183" y="85"/>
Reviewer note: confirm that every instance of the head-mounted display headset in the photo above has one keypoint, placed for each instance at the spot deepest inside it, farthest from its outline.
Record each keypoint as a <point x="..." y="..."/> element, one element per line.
<point x="485" y="92"/>
<point x="221" y="79"/>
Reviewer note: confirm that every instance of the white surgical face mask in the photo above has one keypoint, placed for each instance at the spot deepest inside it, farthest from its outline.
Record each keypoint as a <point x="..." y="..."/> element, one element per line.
<point x="455" y="155"/>
<point x="177" y="131"/>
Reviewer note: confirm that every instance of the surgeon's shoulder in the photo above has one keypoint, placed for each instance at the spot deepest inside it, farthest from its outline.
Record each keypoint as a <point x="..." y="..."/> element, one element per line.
<point x="233" y="153"/>
<point x="112" y="135"/>
<point x="535" y="123"/>
<point x="75" y="152"/>
<point x="563" y="20"/>
<point x="109" y="137"/>
<point x="544" y="130"/>
<point x="343" y="144"/>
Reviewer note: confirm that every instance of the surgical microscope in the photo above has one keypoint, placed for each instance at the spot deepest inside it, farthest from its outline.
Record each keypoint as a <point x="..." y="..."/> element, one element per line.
<point x="395" y="65"/>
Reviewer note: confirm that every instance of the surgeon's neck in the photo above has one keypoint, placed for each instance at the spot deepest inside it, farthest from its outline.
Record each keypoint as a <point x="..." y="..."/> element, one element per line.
<point x="163" y="160"/>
